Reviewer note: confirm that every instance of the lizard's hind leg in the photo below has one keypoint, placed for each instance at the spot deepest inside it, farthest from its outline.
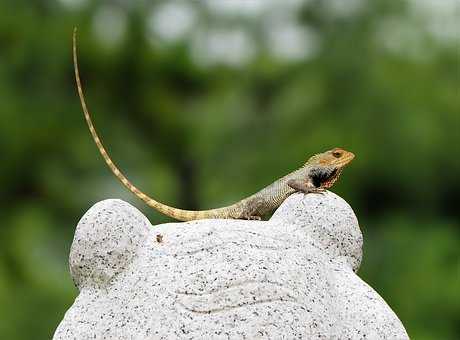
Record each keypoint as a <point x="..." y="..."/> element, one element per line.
<point x="253" y="209"/>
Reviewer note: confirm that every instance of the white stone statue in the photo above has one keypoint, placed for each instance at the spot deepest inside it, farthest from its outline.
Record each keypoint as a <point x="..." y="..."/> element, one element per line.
<point x="291" y="277"/>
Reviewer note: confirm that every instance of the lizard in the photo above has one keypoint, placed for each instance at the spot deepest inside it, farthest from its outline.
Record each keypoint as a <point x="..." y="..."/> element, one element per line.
<point x="319" y="173"/>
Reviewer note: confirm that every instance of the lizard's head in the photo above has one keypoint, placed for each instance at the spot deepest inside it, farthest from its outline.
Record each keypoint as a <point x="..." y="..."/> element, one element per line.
<point x="337" y="158"/>
<point x="327" y="166"/>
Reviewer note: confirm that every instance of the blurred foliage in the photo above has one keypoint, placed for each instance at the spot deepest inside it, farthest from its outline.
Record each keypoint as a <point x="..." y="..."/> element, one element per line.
<point x="183" y="131"/>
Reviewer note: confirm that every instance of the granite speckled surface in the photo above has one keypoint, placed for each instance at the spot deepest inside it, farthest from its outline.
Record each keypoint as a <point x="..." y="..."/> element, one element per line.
<point x="292" y="277"/>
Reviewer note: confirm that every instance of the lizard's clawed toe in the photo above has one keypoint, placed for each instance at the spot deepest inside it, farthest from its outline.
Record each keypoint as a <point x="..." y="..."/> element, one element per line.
<point x="319" y="191"/>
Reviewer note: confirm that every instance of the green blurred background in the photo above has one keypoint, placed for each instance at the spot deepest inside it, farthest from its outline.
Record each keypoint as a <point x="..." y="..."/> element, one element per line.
<point x="203" y="103"/>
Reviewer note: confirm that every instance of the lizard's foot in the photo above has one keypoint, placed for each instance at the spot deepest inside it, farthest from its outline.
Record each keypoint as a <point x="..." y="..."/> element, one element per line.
<point x="252" y="217"/>
<point x="317" y="191"/>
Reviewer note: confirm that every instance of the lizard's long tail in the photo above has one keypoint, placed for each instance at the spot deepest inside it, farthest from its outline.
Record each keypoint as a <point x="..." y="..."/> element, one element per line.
<point x="179" y="214"/>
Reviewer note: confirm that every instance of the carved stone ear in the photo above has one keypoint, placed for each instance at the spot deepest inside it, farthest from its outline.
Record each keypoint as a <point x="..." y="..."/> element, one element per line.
<point x="106" y="239"/>
<point x="328" y="221"/>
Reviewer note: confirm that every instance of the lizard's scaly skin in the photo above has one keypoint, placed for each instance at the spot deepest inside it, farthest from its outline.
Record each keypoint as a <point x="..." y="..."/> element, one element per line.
<point x="324" y="169"/>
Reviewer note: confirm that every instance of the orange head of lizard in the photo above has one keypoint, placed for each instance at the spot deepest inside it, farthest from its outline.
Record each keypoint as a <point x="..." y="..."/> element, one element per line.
<point x="326" y="167"/>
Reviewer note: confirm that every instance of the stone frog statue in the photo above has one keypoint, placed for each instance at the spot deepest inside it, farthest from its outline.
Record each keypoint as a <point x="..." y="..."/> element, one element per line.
<point x="293" y="276"/>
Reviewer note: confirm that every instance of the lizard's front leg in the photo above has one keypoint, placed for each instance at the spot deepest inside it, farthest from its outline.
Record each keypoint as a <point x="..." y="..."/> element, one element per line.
<point x="305" y="186"/>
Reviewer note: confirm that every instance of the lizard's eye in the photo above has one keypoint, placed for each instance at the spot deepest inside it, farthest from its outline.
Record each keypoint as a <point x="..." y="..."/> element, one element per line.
<point x="337" y="154"/>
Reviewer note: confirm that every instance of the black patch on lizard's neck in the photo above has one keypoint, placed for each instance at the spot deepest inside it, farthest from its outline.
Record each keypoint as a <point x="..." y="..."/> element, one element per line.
<point x="321" y="175"/>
